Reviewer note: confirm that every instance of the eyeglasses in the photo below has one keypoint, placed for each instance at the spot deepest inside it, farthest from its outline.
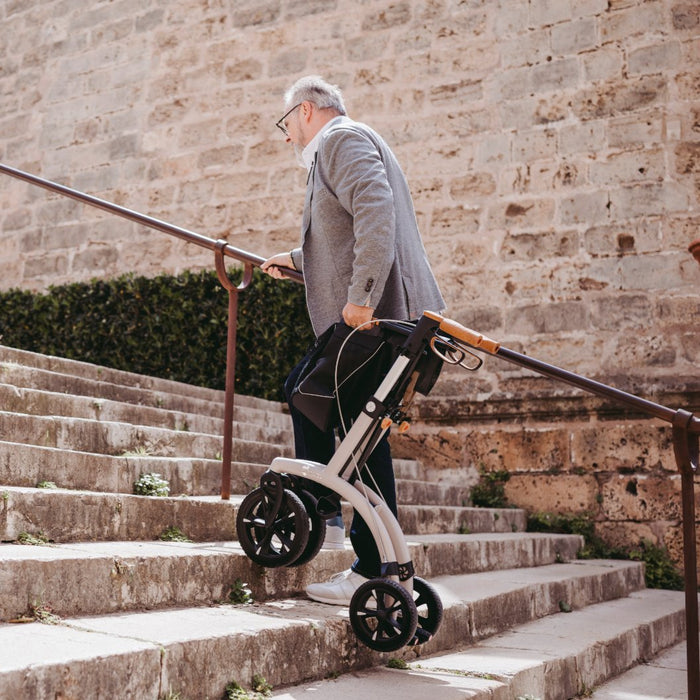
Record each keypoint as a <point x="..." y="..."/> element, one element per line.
<point x="281" y="125"/>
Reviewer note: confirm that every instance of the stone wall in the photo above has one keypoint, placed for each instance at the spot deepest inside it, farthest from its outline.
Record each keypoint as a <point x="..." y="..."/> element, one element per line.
<point x="552" y="146"/>
<point x="567" y="453"/>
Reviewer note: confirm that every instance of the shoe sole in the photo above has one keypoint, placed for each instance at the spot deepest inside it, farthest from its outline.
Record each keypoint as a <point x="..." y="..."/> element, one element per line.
<point x="328" y="601"/>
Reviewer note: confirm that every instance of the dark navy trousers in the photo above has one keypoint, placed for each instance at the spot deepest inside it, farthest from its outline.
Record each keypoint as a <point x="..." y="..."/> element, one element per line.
<point x="319" y="446"/>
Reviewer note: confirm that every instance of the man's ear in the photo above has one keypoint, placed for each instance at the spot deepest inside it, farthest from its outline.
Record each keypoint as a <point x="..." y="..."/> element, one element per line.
<point x="306" y="110"/>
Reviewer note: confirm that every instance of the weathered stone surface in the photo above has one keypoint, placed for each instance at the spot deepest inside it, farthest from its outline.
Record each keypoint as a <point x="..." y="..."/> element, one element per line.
<point x="553" y="493"/>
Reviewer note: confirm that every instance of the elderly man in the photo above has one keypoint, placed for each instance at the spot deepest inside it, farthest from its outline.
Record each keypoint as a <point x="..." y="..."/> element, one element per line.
<point x="362" y="257"/>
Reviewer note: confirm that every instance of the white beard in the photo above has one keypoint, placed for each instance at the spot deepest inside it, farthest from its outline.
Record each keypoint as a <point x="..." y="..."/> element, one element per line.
<point x="299" y="155"/>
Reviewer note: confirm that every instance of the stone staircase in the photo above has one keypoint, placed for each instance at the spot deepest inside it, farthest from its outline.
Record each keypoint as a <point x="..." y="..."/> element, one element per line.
<point x="128" y="615"/>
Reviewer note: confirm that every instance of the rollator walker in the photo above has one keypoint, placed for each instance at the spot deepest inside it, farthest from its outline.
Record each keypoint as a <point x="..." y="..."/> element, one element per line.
<point x="281" y="523"/>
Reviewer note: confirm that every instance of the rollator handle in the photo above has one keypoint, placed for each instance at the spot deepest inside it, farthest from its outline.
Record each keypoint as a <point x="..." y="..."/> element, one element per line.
<point x="466" y="335"/>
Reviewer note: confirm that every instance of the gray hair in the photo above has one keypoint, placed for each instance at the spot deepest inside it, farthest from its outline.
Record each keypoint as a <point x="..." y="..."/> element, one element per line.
<point x="313" y="88"/>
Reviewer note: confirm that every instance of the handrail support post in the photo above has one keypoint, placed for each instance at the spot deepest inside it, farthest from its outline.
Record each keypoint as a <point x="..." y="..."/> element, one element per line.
<point x="229" y="393"/>
<point x="685" y="448"/>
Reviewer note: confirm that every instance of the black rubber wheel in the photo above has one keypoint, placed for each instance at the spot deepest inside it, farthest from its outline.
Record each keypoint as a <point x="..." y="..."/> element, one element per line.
<point x="429" y="608"/>
<point x="272" y="538"/>
<point x="317" y="530"/>
<point x="383" y="615"/>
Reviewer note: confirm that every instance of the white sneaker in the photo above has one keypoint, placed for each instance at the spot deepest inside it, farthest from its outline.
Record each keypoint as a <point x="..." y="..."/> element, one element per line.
<point x="338" y="590"/>
<point x="335" y="537"/>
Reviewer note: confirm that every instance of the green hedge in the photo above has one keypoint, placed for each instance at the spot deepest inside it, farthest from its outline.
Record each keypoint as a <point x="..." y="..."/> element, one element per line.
<point x="167" y="326"/>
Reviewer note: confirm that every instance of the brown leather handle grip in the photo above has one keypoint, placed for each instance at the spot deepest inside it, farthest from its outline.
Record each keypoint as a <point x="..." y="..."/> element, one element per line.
<point x="460" y="332"/>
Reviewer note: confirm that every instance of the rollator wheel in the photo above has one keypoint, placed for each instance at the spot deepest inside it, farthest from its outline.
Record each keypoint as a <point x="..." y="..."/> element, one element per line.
<point x="429" y="608"/>
<point x="317" y="530"/>
<point x="272" y="535"/>
<point x="383" y="615"/>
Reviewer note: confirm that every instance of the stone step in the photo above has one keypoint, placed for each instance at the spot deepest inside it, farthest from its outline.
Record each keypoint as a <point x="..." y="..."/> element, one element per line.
<point x="664" y="676"/>
<point x="74" y="516"/>
<point x="22" y="368"/>
<point x="251" y="442"/>
<point x="555" y="658"/>
<point x="95" y="578"/>
<point x="27" y="465"/>
<point x="197" y="651"/>
<point x="39" y="402"/>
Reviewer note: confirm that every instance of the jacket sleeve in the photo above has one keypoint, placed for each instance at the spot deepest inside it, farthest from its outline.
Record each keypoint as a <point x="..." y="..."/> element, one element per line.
<point x="355" y="173"/>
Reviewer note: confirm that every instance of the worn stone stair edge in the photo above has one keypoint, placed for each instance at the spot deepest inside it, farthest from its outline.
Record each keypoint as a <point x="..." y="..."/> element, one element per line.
<point x="205" y="648"/>
<point x="39" y="402"/>
<point x="89" y="370"/>
<point x="27" y="465"/>
<point x="488" y="671"/>
<point x="99" y="578"/>
<point x="72" y="516"/>
<point x="120" y="378"/>
<point x="252" y="443"/>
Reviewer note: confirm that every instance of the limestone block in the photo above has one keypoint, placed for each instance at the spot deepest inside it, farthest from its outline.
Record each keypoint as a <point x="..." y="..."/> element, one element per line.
<point x="632" y="21"/>
<point x="655" y="58"/>
<point x="626" y="131"/>
<point x="686" y="16"/>
<point x="575" y="36"/>
<point x="393" y="15"/>
<point x="613" y="312"/>
<point x="688" y="158"/>
<point x="588" y="208"/>
<point x="49" y="265"/>
<point x="673" y="541"/>
<point x="441" y="449"/>
<point x="615" y="96"/>
<point x="256" y="13"/>
<point x="629" y="167"/>
<point x="641" y="497"/>
<point x="626" y="535"/>
<point x="603" y="63"/>
<point x="648" y="200"/>
<point x="545" y="12"/>
<point x="643" y="446"/>
<point x="653" y="272"/>
<point x="528" y="246"/>
<point x="556" y="75"/>
<point x="527" y="449"/>
<point x="560" y="493"/>
<point x="547" y="318"/>
<point x="528" y="213"/>
<point x="642" y="236"/>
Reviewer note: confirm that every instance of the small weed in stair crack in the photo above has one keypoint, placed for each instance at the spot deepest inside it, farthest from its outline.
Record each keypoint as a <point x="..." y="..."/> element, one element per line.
<point x="173" y="534"/>
<point x="139" y="451"/>
<point x="240" y="593"/>
<point x="564" y="606"/>
<point x="28" y="538"/>
<point x="44" y="614"/>
<point x="261" y="689"/>
<point x="171" y="695"/>
<point x="151" y="485"/>
<point x="46" y="485"/>
<point x="397" y="663"/>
